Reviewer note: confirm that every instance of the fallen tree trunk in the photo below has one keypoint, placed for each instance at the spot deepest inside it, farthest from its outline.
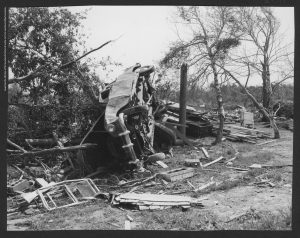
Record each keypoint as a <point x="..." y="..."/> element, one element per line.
<point x="50" y="141"/>
<point x="56" y="149"/>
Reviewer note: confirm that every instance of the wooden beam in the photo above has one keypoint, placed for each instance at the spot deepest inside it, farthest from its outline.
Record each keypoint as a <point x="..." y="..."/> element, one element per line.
<point x="214" y="161"/>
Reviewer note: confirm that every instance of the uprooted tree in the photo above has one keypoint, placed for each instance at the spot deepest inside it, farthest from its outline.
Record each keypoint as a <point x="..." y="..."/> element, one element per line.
<point x="44" y="58"/>
<point x="215" y="31"/>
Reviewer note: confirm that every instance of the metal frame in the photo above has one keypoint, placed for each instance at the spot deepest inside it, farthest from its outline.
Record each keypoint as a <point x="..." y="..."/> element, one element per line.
<point x="68" y="191"/>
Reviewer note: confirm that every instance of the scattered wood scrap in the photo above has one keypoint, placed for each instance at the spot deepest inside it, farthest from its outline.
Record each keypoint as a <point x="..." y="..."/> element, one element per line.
<point x="192" y="162"/>
<point x="206" y="186"/>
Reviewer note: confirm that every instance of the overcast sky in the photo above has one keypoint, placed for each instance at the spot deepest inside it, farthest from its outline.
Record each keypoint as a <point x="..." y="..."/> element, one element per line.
<point x="146" y="31"/>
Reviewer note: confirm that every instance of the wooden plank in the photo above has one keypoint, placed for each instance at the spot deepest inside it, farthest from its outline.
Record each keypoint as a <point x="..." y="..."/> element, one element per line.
<point x="236" y="168"/>
<point x="177" y="174"/>
<point x="213" y="162"/>
<point x="163" y="203"/>
<point x="205" y="152"/>
<point x="153" y="197"/>
<point x="266" y="142"/>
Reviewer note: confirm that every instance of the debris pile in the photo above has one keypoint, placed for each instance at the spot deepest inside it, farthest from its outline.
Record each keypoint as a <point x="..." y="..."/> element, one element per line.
<point x="243" y="134"/>
<point x="156" y="201"/>
<point x="197" y="125"/>
<point x="51" y="195"/>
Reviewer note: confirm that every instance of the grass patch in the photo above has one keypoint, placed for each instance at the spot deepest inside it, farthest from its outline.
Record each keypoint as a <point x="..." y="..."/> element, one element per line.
<point x="205" y="220"/>
<point x="245" y="147"/>
<point x="62" y="217"/>
<point x="262" y="220"/>
<point x="174" y="219"/>
<point x="228" y="184"/>
<point x="255" y="157"/>
<point x="274" y="175"/>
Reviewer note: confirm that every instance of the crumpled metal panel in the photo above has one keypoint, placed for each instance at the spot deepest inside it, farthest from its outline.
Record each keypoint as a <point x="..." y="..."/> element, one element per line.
<point x="120" y="94"/>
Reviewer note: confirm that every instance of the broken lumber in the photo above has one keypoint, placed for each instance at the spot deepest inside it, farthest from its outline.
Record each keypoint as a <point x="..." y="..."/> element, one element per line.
<point x="192" y="162"/>
<point x="56" y="150"/>
<point x="213" y="162"/>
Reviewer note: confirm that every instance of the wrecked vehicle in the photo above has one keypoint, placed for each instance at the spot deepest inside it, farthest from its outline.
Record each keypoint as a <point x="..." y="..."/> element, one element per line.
<point x="126" y="131"/>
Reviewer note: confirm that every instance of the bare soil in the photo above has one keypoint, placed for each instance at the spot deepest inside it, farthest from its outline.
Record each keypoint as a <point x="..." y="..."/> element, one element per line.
<point x="238" y="203"/>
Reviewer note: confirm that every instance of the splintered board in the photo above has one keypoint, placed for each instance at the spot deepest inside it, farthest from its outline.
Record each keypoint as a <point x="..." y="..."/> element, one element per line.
<point x="177" y="174"/>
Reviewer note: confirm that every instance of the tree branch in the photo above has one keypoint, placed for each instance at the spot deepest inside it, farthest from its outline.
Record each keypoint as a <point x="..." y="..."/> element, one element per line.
<point x="36" y="72"/>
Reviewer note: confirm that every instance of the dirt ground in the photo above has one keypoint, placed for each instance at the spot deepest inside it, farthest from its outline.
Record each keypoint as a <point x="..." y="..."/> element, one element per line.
<point x="238" y="203"/>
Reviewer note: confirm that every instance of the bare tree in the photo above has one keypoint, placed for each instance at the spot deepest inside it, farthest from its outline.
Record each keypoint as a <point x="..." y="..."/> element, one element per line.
<point x="215" y="31"/>
<point x="262" y="30"/>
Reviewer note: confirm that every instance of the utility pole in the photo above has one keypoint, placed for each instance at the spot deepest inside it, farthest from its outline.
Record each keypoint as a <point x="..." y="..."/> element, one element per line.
<point x="182" y="99"/>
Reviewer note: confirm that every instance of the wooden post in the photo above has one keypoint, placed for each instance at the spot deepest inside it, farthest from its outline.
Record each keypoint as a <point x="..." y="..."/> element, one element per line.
<point x="182" y="102"/>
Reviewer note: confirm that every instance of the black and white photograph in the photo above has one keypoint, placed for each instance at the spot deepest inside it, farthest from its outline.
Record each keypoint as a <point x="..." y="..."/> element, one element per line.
<point x="137" y="117"/>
